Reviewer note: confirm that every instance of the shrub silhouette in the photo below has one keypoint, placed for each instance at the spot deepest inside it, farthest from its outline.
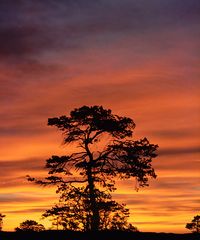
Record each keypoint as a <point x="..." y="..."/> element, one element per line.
<point x="30" y="225"/>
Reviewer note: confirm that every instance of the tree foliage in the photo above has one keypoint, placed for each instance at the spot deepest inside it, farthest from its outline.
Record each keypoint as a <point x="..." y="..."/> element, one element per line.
<point x="194" y="225"/>
<point x="30" y="225"/>
<point x="1" y="220"/>
<point x="97" y="162"/>
<point x="73" y="211"/>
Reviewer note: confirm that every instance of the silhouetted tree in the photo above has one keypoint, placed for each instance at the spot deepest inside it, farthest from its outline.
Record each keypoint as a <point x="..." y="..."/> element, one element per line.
<point x="99" y="162"/>
<point x="1" y="220"/>
<point x="30" y="225"/>
<point x="73" y="211"/>
<point x="194" y="226"/>
<point x="114" y="216"/>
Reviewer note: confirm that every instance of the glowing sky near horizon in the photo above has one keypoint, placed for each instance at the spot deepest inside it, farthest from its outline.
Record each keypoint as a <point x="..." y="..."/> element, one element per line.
<point x="139" y="58"/>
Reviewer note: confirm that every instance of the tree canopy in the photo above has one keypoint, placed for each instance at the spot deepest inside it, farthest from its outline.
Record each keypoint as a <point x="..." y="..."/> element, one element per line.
<point x="194" y="225"/>
<point x="30" y="225"/>
<point x="105" y="151"/>
<point x="1" y="220"/>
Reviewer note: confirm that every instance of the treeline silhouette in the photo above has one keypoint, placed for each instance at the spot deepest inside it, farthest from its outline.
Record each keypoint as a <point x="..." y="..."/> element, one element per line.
<point x="100" y="235"/>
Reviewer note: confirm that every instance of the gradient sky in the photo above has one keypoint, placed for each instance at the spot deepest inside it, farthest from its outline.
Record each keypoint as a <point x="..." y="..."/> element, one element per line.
<point x="140" y="58"/>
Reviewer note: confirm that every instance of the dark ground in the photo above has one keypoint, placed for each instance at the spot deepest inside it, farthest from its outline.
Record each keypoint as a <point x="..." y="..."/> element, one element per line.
<point x="66" y="235"/>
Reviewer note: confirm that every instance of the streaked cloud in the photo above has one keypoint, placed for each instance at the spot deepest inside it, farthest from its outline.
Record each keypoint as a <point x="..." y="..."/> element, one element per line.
<point x="139" y="58"/>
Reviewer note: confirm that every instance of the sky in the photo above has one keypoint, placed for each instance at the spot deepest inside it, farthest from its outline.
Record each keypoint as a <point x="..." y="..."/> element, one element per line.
<point x="139" y="58"/>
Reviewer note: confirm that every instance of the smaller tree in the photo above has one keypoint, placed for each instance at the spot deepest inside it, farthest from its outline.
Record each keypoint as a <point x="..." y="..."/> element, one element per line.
<point x="30" y="225"/>
<point x="1" y="221"/>
<point x="194" y="226"/>
<point x="114" y="216"/>
<point x="62" y="217"/>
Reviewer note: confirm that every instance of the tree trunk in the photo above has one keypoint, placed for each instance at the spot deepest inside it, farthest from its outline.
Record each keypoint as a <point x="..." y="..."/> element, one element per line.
<point x="95" y="219"/>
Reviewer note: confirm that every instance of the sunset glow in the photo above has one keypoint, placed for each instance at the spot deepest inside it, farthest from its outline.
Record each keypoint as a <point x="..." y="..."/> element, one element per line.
<point x="139" y="58"/>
